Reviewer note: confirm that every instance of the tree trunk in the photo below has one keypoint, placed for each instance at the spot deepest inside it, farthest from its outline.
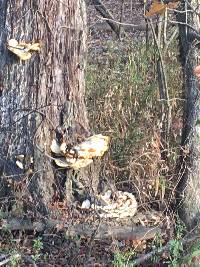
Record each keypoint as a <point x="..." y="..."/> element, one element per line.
<point x="189" y="186"/>
<point x="40" y="94"/>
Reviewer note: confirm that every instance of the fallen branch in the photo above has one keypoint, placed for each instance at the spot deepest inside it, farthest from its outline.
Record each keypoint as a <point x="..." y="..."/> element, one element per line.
<point x="7" y="258"/>
<point x="165" y="248"/>
<point x="3" y="262"/>
<point x="105" y="231"/>
<point x="103" y="26"/>
<point x="99" y="6"/>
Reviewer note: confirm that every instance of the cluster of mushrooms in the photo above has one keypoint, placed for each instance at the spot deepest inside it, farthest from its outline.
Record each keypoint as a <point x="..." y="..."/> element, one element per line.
<point x="80" y="155"/>
<point x="120" y="205"/>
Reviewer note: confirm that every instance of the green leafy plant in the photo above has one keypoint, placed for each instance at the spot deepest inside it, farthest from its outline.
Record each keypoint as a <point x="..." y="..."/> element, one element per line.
<point x="157" y="245"/>
<point x="15" y="259"/>
<point x="176" y="249"/>
<point x="176" y="246"/>
<point x="121" y="259"/>
<point x="37" y="247"/>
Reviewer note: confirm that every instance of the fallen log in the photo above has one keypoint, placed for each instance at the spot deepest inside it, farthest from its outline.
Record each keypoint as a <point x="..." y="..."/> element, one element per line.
<point x="102" y="230"/>
<point x="106" y="231"/>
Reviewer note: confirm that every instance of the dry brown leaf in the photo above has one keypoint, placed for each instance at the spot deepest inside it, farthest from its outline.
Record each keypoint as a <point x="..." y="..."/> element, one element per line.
<point x="173" y="5"/>
<point x="159" y="8"/>
<point x="155" y="9"/>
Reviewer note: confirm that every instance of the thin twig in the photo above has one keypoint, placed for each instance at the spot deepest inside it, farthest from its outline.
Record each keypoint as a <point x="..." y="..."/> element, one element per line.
<point x="4" y="262"/>
<point x="106" y="14"/>
<point x="184" y="24"/>
<point x="121" y="17"/>
<point x="166" y="108"/>
<point x="170" y="40"/>
<point x="173" y="22"/>
<point x="91" y="241"/>
<point x="125" y="24"/>
<point x="147" y="256"/>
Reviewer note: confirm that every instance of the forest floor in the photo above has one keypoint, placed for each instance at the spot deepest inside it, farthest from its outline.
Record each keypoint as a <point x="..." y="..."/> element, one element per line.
<point x="123" y="101"/>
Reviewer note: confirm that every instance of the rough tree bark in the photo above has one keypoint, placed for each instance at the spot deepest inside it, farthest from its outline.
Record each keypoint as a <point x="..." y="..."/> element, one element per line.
<point x="189" y="186"/>
<point x="41" y="93"/>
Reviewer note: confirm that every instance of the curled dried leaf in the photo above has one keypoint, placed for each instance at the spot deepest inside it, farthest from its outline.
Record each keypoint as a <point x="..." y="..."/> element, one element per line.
<point x="160" y="7"/>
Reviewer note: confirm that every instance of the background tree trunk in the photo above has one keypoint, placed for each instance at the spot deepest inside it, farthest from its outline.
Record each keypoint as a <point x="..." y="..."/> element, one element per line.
<point x="189" y="186"/>
<point x="41" y="93"/>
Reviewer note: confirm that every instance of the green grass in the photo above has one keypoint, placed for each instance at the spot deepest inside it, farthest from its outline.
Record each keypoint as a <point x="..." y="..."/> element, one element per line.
<point x="123" y="101"/>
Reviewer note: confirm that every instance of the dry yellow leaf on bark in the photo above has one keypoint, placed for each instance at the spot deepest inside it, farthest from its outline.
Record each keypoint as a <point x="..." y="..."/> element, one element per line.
<point x="21" y="49"/>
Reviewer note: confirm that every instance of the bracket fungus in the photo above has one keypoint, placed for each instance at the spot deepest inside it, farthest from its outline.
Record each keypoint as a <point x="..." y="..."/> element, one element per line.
<point x="21" y="49"/>
<point x="82" y="154"/>
<point x="123" y="205"/>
